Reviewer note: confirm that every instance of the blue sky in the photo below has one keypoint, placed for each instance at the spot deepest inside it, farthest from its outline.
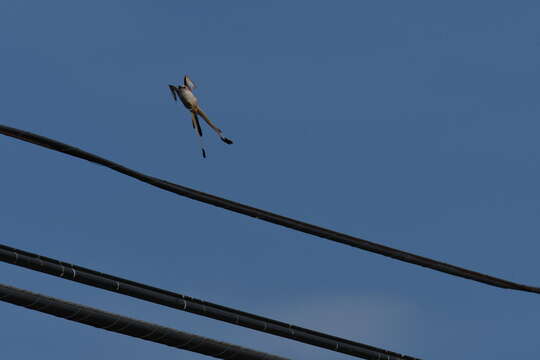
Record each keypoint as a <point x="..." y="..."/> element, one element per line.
<point x="412" y="124"/>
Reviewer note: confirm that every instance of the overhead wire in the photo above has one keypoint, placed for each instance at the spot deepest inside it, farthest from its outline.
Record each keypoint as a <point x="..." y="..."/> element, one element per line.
<point x="128" y="326"/>
<point x="185" y="303"/>
<point x="269" y="216"/>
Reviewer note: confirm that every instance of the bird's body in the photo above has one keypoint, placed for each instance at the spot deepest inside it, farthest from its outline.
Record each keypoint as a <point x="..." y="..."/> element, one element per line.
<point x="186" y="96"/>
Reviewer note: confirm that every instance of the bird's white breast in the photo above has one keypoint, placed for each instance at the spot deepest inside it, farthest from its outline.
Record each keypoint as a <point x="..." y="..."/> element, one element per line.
<point x="187" y="97"/>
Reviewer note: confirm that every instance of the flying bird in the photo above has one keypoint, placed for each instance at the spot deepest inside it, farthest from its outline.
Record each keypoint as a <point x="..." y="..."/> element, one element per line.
<point x="185" y="94"/>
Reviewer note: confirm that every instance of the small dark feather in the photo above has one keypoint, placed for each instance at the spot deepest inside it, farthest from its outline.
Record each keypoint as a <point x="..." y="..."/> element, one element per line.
<point x="199" y="129"/>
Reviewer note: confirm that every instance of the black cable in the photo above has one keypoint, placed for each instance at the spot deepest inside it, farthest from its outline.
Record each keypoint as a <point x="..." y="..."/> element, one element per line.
<point x="181" y="302"/>
<point x="268" y="216"/>
<point x="127" y="326"/>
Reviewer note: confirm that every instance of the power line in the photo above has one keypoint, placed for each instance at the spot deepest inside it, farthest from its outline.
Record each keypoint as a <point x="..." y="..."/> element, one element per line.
<point x="127" y="326"/>
<point x="181" y="302"/>
<point x="268" y="216"/>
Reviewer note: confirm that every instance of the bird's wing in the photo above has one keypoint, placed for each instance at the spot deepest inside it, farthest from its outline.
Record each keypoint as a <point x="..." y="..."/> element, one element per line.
<point x="174" y="92"/>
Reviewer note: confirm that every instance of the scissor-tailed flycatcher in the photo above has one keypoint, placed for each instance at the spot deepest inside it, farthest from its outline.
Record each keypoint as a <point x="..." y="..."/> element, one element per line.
<point x="185" y="93"/>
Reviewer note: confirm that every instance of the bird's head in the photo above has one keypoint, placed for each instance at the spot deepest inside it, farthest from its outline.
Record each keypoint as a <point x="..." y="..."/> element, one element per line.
<point x="188" y="83"/>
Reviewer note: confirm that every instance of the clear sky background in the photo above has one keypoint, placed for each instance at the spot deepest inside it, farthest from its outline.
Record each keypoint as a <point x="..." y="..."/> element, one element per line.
<point x="409" y="123"/>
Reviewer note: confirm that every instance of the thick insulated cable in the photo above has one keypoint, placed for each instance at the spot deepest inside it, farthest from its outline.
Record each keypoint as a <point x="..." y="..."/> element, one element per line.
<point x="128" y="326"/>
<point x="268" y="216"/>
